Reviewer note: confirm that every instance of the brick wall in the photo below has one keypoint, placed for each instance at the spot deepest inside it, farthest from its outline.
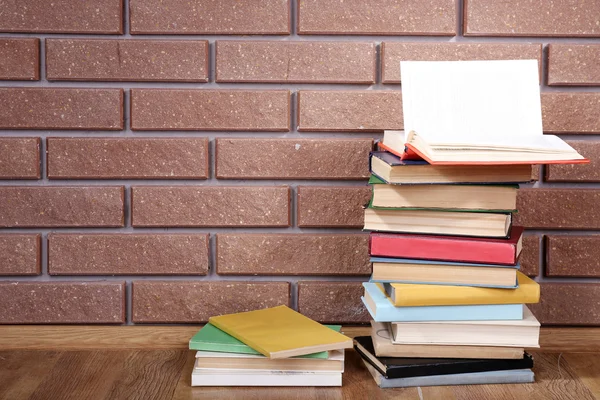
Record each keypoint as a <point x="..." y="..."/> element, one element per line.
<point x="162" y="161"/>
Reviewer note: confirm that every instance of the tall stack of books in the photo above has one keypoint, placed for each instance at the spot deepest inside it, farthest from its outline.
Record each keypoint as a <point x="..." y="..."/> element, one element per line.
<point x="446" y="296"/>
<point x="270" y="347"/>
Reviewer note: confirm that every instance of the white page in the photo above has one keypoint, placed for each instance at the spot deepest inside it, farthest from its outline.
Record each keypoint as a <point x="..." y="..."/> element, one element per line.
<point x="472" y="101"/>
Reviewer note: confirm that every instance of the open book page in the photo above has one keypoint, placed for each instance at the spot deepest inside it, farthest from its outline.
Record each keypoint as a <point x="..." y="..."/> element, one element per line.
<point x="470" y="102"/>
<point x="542" y="143"/>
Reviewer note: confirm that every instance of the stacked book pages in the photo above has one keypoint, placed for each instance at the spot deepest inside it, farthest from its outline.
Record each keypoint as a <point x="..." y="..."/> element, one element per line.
<point x="447" y="299"/>
<point x="270" y="347"/>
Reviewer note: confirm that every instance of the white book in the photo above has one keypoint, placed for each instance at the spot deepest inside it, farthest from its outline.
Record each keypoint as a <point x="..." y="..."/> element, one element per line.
<point x="208" y="377"/>
<point x="510" y="333"/>
<point x="476" y="112"/>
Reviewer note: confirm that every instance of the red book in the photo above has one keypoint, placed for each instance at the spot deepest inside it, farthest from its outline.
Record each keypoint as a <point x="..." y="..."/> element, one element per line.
<point x="449" y="248"/>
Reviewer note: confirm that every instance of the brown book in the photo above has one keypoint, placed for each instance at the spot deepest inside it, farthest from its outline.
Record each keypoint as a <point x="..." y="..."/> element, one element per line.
<point x="382" y="342"/>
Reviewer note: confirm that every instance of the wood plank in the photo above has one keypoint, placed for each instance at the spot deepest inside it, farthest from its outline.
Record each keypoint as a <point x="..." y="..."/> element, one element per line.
<point x="22" y="371"/>
<point x="81" y="375"/>
<point x="149" y="374"/>
<point x="57" y="337"/>
<point x="587" y="369"/>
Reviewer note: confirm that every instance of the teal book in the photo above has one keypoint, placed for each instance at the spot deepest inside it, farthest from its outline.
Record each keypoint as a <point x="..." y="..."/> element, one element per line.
<point x="211" y="338"/>
<point x="383" y="310"/>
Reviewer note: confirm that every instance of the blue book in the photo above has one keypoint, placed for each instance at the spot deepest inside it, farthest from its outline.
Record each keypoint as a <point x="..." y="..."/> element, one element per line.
<point x="405" y="270"/>
<point x="382" y="310"/>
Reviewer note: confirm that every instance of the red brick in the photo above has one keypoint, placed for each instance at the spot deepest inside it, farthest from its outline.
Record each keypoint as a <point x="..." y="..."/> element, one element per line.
<point x="64" y="108"/>
<point x="62" y="303"/>
<point x="292" y="254"/>
<point x="568" y="304"/>
<point x="19" y="158"/>
<point x="220" y="17"/>
<point x="327" y="206"/>
<point x="578" y="172"/>
<point x="530" y="255"/>
<point x="62" y="16"/>
<point x="531" y="18"/>
<point x="190" y="109"/>
<point x="20" y="254"/>
<point x="128" y="254"/>
<point x="203" y="206"/>
<point x="194" y="302"/>
<point x="131" y="158"/>
<point x="558" y="208"/>
<point x="333" y="302"/>
<point x="573" y="64"/>
<point x="394" y="52"/>
<point x="310" y="62"/>
<point x="367" y="111"/>
<point x="127" y="60"/>
<point x="19" y="59"/>
<point x="61" y="206"/>
<point x="377" y="17"/>
<point x="573" y="256"/>
<point x="293" y="158"/>
<point x="571" y="112"/>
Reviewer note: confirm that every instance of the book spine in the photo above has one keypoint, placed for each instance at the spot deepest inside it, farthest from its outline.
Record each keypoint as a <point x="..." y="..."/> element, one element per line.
<point x="447" y="249"/>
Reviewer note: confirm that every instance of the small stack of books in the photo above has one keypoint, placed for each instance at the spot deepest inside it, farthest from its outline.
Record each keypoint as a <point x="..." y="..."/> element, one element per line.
<point x="446" y="296"/>
<point x="270" y="347"/>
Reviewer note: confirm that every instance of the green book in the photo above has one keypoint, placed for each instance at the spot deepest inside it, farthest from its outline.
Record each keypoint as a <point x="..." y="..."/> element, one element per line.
<point x="211" y="338"/>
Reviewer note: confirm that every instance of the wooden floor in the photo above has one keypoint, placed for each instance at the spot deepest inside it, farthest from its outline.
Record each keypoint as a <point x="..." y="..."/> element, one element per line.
<point x="120" y="363"/>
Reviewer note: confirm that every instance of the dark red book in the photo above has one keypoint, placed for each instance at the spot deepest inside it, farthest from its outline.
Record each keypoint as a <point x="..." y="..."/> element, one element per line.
<point x="449" y="248"/>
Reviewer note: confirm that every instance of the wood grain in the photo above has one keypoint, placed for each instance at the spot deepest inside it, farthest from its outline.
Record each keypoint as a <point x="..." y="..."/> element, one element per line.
<point x="165" y="374"/>
<point x="56" y="337"/>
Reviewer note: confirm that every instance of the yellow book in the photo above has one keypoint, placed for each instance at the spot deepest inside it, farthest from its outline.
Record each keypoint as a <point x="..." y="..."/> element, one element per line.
<point x="406" y="294"/>
<point x="280" y="332"/>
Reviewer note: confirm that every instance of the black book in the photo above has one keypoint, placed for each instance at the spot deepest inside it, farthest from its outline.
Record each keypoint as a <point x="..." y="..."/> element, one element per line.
<point x="400" y="367"/>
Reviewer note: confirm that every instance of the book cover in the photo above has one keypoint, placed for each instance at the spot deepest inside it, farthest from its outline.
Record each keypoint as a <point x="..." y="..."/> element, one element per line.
<point x="449" y="248"/>
<point x="382" y="309"/>
<point x="400" y="367"/>
<point x="211" y="338"/>
<point x="408" y="294"/>
<point x="280" y="332"/>
<point x="471" y="378"/>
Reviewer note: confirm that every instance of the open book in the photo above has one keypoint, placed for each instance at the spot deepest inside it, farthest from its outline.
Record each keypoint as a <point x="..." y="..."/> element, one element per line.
<point x="475" y="112"/>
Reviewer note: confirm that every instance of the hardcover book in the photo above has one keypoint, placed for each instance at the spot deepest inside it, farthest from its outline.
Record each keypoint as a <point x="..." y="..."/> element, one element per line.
<point x="473" y="198"/>
<point x="382" y="310"/>
<point x="398" y="367"/>
<point x="389" y="168"/>
<point x="280" y="332"/>
<point x="455" y="115"/>
<point x="471" y="378"/>
<point x="511" y="333"/>
<point x="434" y="222"/>
<point x="381" y="334"/>
<point x="407" y="294"/>
<point x="404" y="270"/>
<point x="449" y="248"/>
